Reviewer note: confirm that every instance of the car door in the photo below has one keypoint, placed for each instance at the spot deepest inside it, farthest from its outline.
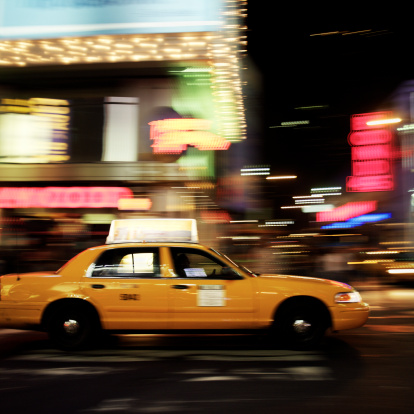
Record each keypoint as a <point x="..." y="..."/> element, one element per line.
<point x="207" y="293"/>
<point x="126" y="286"/>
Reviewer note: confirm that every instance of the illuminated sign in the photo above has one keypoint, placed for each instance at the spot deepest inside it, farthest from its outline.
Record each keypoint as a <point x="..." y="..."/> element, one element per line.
<point x="347" y="211"/>
<point x="372" y="154"/>
<point x="34" y="130"/>
<point x="39" y="19"/>
<point x="172" y="136"/>
<point x="358" y="221"/>
<point x="134" y="204"/>
<point x="153" y="230"/>
<point x="62" y="197"/>
<point x="220" y="216"/>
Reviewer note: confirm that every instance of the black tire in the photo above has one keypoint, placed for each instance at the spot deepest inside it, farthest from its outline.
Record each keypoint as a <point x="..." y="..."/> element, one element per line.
<point x="72" y="327"/>
<point x="300" y="325"/>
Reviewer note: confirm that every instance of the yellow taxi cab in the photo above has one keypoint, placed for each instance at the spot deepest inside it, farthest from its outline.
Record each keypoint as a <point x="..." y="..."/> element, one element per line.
<point x="152" y="275"/>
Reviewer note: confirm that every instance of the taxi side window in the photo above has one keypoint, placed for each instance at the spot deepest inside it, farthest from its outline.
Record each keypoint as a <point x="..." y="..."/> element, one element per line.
<point x="192" y="263"/>
<point x="128" y="262"/>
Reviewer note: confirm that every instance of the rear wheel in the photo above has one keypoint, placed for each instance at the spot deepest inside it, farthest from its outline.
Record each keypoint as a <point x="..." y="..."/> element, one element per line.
<point x="300" y="325"/>
<point x="72" y="327"/>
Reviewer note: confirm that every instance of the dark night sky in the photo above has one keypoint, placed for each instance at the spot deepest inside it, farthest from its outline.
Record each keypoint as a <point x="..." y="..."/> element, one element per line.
<point x="345" y="73"/>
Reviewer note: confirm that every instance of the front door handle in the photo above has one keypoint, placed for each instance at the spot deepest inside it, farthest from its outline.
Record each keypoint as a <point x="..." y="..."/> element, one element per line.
<point x="98" y="286"/>
<point x="180" y="286"/>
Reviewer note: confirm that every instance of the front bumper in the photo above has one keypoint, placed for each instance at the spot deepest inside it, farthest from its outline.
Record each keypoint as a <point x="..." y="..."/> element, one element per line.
<point x="349" y="316"/>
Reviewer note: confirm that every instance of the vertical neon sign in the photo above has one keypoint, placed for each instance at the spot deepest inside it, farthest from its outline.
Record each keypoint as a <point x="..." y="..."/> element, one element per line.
<point x="372" y="154"/>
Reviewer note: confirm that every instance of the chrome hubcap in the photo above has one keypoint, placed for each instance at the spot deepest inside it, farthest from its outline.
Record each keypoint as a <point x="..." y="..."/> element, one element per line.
<point x="300" y="326"/>
<point x="71" y="326"/>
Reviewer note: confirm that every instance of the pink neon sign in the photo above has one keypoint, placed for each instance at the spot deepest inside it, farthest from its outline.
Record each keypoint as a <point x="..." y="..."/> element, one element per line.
<point x="347" y="211"/>
<point x="372" y="154"/>
<point x="62" y="197"/>
<point x="172" y="136"/>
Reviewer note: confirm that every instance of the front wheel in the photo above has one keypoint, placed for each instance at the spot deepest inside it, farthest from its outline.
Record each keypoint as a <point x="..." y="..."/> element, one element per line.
<point x="300" y="326"/>
<point x="72" y="327"/>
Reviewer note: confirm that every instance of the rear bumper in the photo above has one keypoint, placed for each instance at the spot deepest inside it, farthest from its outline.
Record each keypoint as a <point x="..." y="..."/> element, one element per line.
<point x="16" y="317"/>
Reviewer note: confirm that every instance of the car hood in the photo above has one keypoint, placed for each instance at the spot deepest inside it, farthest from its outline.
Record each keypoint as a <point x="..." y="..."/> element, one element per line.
<point x="292" y="279"/>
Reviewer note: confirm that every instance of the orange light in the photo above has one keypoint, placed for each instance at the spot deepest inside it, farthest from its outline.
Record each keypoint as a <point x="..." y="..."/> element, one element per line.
<point x="220" y="216"/>
<point x="134" y="204"/>
<point x="343" y="297"/>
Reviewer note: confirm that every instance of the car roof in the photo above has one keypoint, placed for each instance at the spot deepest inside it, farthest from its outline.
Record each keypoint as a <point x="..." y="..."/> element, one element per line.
<point x="150" y="244"/>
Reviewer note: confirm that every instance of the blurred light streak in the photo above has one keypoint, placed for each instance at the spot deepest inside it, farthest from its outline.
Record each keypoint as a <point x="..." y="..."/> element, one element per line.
<point x="400" y="271"/>
<point x="325" y="33"/>
<point x="312" y="107"/>
<point x="309" y="196"/>
<point x="357" y="32"/>
<point x="316" y="201"/>
<point x="326" y="189"/>
<point x="292" y="253"/>
<point x="240" y="237"/>
<point x="277" y="223"/>
<point x="282" y="177"/>
<point x="346" y="33"/>
<point x="329" y="194"/>
<point x="409" y="128"/>
<point x="287" y="207"/>
<point x="373" y="261"/>
<point x="279" y="246"/>
<point x="294" y="123"/>
<point x="189" y="188"/>
<point x="382" y="252"/>
<point x="385" y="121"/>
<point x="397" y="242"/>
<point x="255" y="170"/>
<point x="303" y="235"/>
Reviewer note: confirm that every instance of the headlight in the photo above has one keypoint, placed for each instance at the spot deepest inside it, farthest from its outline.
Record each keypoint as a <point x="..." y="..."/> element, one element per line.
<point x="348" y="297"/>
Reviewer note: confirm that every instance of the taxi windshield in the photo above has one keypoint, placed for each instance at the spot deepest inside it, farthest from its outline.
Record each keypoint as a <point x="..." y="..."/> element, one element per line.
<point x="235" y="264"/>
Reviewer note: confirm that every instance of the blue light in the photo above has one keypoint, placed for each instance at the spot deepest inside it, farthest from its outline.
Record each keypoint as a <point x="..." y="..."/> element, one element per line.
<point x="358" y="221"/>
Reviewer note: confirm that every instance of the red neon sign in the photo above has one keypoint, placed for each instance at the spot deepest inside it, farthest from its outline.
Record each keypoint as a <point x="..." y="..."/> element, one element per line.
<point x="372" y="154"/>
<point x="172" y="136"/>
<point x="219" y="216"/>
<point x="62" y="197"/>
<point x="347" y="211"/>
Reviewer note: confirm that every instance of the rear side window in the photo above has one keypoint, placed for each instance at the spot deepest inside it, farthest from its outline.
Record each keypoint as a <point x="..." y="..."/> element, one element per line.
<point x="128" y="262"/>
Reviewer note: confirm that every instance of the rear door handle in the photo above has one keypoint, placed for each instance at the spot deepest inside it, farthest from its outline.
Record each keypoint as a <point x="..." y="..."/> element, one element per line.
<point x="180" y="286"/>
<point x="98" y="286"/>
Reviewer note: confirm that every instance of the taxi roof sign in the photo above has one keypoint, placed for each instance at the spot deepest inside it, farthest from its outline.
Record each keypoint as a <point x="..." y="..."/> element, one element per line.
<point x="152" y="231"/>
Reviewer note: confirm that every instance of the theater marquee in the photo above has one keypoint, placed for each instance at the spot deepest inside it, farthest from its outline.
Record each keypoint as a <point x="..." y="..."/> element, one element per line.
<point x="63" y="197"/>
